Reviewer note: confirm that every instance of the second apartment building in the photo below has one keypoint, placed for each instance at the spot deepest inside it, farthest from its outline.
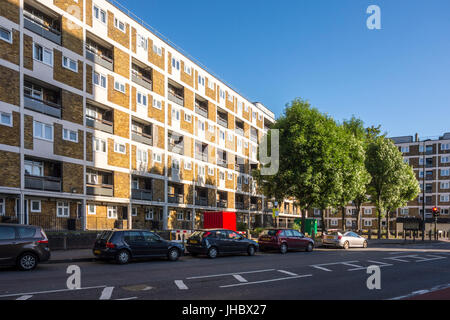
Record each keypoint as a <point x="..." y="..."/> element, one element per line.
<point x="104" y="124"/>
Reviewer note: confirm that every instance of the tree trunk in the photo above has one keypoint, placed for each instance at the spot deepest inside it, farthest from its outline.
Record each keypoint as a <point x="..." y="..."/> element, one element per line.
<point x="387" y="224"/>
<point x="379" y="224"/>
<point x="303" y="220"/>
<point x="358" y="217"/>
<point x="343" y="218"/>
<point x="322" y="216"/>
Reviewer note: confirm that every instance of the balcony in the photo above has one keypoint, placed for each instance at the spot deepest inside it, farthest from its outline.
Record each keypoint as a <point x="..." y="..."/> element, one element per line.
<point x="42" y="106"/>
<point x="223" y="122"/>
<point x="254" y="207"/>
<point x="42" y="24"/>
<point x="201" y="110"/>
<point x="254" y="138"/>
<point x="222" y="162"/>
<point x="175" y="198"/>
<point x="99" y="54"/>
<point x="99" y="124"/>
<point x="176" y="94"/>
<point x="103" y="61"/>
<point x="222" y="203"/>
<point x="201" y="201"/>
<point x="239" y="131"/>
<point x="103" y="190"/>
<point x="142" y="76"/>
<point x="144" y="195"/>
<point x="239" y="205"/>
<point x="239" y="168"/>
<point x="43" y="183"/>
<point x="201" y="156"/>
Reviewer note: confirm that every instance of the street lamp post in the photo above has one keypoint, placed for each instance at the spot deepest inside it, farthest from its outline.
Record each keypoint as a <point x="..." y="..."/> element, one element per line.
<point x="423" y="189"/>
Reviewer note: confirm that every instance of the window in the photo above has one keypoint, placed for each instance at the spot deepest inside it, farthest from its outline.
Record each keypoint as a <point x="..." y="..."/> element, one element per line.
<point x="188" y="165"/>
<point x="404" y="211"/>
<point x="201" y="171"/>
<point x="368" y="211"/>
<point x="43" y="54"/>
<point x="211" y="128"/>
<point x="5" y="35"/>
<point x="119" y="86"/>
<point x="230" y="137"/>
<point x="210" y="171"/>
<point x="7" y="233"/>
<point x="112" y="212"/>
<point x="187" y="118"/>
<point x="259" y="116"/>
<point x="445" y="198"/>
<point x="92" y="209"/>
<point x="405" y="149"/>
<point x="445" y="172"/>
<point x="222" y="94"/>
<point x="175" y="62"/>
<point x="142" y="42"/>
<point x="2" y="206"/>
<point x="222" y="135"/>
<point x="34" y="168"/>
<point x="99" y="80"/>
<point x="119" y="25"/>
<point x="157" y="104"/>
<point x="445" y="159"/>
<point x="62" y="209"/>
<point x="43" y="131"/>
<point x="142" y="99"/>
<point x="148" y="214"/>
<point x="367" y="223"/>
<point x="221" y="175"/>
<point x="188" y="216"/>
<point x="157" y="157"/>
<point x="120" y="148"/>
<point x="210" y="84"/>
<point x="6" y="119"/>
<point x="246" y="180"/>
<point x="142" y="156"/>
<point x="70" y="135"/>
<point x="445" y="146"/>
<point x="187" y="69"/>
<point x="99" y="14"/>
<point x="158" y="51"/>
<point x="134" y="212"/>
<point x="70" y="64"/>
<point x="230" y="176"/>
<point x="333" y="222"/>
<point x="201" y="81"/>
<point x="99" y="145"/>
<point x="230" y="98"/>
<point x="180" y="216"/>
<point x="444" y="211"/>
<point x="91" y="178"/>
<point x="445" y="185"/>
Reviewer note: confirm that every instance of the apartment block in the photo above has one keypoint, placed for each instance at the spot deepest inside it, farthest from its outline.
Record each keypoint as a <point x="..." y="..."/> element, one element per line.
<point x="105" y="124"/>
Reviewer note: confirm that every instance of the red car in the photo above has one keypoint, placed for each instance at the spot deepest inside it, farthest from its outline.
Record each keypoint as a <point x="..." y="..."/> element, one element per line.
<point x="284" y="240"/>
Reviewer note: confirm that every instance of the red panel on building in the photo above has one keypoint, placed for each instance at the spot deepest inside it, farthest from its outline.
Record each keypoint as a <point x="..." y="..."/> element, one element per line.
<point x="220" y="219"/>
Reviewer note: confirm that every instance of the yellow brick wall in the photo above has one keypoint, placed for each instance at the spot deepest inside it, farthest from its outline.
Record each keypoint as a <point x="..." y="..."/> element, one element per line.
<point x="158" y="82"/>
<point x="72" y="36"/>
<point x="118" y="159"/>
<point x="72" y="107"/>
<point x="121" y="185"/>
<point x="9" y="86"/>
<point x="66" y="76"/>
<point x="155" y="113"/>
<point x="117" y="97"/>
<point x="115" y="34"/>
<point x="28" y="52"/>
<point x="121" y="63"/>
<point x="11" y="135"/>
<point x="154" y="58"/>
<point x="10" y="10"/>
<point x="10" y="169"/>
<point x="10" y="51"/>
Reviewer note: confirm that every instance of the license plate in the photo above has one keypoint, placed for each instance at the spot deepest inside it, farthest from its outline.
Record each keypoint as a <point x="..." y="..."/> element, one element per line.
<point x="97" y="252"/>
<point x="193" y="241"/>
<point x="330" y="237"/>
<point x="266" y="239"/>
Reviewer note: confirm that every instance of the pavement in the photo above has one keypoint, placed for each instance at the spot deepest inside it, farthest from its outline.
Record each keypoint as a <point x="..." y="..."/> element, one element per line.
<point x="405" y="273"/>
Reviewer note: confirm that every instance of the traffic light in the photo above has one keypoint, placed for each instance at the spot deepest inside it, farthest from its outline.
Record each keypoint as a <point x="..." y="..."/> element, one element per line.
<point x="435" y="212"/>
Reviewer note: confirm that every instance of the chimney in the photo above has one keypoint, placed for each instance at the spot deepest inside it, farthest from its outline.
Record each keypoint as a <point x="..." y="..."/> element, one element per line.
<point x="417" y="137"/>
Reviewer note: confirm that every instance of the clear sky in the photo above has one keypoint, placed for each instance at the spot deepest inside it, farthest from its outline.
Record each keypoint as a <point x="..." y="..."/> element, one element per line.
<point x="321" y="51"/>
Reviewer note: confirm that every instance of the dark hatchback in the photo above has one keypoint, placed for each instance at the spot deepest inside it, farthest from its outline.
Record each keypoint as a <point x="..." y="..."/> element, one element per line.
<point x="23" y="246"/>
<point x="124" y="245"/>
<point x="284" y="240"/>
<point x="213" y="242"/>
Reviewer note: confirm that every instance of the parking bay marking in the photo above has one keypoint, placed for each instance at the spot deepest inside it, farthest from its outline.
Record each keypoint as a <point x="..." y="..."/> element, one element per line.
<point x="239" y="278"/>
<point x="265" y="281"/>
<point x="347" y="263"/>
<point x="229" y="274"/>
<point x="376" y="263"/>
<point x="49" y="291"/>
<point x="107" y="293"/>
<point x="288" y="273"/>
<point x="26" y="297"/>
<point x="180" y="284"/>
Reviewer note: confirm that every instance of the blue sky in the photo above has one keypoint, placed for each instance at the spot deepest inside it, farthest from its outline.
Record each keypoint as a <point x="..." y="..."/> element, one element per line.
<point x="322" y="51"/>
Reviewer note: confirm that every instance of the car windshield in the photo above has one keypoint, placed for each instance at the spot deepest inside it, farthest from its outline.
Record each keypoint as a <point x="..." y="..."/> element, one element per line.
<point x="269" y="233"/>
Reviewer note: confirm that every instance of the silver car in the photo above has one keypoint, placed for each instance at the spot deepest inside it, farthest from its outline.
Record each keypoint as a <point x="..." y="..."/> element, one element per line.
<point x="347" y="240"/>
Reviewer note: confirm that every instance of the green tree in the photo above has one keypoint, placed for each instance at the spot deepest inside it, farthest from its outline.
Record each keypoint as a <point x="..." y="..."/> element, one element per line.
<point x="385" y="164"/>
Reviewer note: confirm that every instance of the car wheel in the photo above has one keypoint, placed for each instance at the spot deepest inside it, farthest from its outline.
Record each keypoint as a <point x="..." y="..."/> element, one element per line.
<point x="173" y="254"/>
<point x="346" y="245"/>
<point x="27" y="262"/>
<point x="365" y="244"/>
<point x="123" y="257"/>
<point x="309" y="247"/>
<point x="284" y="248"/>
<point x="212" y="253"/>
<point x="251" y="250"/>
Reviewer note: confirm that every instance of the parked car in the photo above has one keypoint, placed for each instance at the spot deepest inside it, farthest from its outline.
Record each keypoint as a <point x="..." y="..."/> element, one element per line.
<point x="23" y="246"/>
<point x="284" y="240"/>
<point x="349" y="239"/>
<point x="125" y="245"/>
<point x="213" y="242"/>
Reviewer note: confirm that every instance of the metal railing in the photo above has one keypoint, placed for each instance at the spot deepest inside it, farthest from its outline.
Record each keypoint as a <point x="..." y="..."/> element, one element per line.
<point x="142" y="81"/>
<point x="239" y="205"/>
<point x="175" y="198"/>
<point x="222" y="203"/>
<point x="99" y="59"/>
<point x="176" y="98"/>
<point x="34" y="24"/>
<point x="201" y="111"/>
<point x="222" y="122"/>
<point x="104" y="190"/>
<point x="42" y="106"/>
<point x="99" y="124"/>
<point x="201" y="201"/>
<point x="142" y="138"/>
<point x="43" y="183"/>
<point x="141" y="194"/>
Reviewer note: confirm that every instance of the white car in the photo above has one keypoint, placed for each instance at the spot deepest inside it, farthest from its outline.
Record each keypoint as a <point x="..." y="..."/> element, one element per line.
<point x="347" y="240"/>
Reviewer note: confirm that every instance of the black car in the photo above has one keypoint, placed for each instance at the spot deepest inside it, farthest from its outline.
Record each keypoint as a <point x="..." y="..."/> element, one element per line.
<point x="23" y="246"/>
<point x="213" y="242"/>
<point x="124" y="245"/>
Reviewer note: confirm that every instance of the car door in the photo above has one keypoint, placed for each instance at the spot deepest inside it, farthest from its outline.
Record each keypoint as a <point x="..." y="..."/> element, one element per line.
<point x="9" y="249"/>
<point x="291" y="239"/>
<point x="237" y="242"/>
<point x="222" y="241"/>
<point x="359" y="241"/>
<point x="155" y="246"/>
<point x="136" y="243"/>
<point x="352" y="239"/>
<point x="300" y="239"/>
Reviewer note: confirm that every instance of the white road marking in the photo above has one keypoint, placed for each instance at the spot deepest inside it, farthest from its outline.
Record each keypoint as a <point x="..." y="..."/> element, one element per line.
<point x="229" y="274"/>
<point x="49" y="291"/>
<point x="24" y="297"/>
<point x="433" y="257"/>
<point x="288" y="273"/>
<point x="239" y="278"/>
<point x="265" y="281"/>
<point x="376" y="263"/>
<point x="415" y="293"/>
<point x="107" y="293"/>
<point x="398" y="259"/>
<point x="320" y="266"/>
<point x="180" y="284"/>
<point x="123" y="299"/>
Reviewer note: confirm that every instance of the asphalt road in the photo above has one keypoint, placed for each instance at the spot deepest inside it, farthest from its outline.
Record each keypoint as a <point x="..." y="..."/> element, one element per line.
<point x="322" y="274"/>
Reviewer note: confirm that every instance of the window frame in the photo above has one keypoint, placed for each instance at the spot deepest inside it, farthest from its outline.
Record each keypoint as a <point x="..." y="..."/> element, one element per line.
<point x="43" y="125"/>
<point x="117" y="145"/>
<point x="61" y="205"/>
<point x="89" y="206"/>
<point x="69" y="61"/>
<point x="44" y="51"/>
<point x="10" y="40"/>
<point x="10" y="124"/>
<point x="117" y="23"/>
<point x="68" y="138"/>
